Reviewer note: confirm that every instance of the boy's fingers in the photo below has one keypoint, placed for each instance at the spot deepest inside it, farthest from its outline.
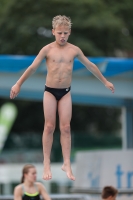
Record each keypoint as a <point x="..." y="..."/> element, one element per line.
<point x="112" y="89"/>
<point x="12" y="94"/>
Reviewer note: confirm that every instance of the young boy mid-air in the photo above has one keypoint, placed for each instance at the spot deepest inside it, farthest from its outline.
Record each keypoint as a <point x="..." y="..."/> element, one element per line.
<point x="59" y="57"/>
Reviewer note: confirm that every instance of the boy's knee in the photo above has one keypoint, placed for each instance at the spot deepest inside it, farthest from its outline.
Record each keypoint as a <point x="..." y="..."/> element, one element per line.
<point x="65" y="128"/>
<point x="49" y="128"/>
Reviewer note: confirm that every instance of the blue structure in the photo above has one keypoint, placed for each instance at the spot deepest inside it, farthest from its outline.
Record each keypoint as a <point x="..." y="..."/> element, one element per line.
<point x="108" y="66"/>
<point x="86" y="89"/>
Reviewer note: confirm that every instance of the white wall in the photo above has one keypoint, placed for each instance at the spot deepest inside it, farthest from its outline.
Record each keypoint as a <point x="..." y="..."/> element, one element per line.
<point x="11" y="173"/>
<point x="96" y="169"/>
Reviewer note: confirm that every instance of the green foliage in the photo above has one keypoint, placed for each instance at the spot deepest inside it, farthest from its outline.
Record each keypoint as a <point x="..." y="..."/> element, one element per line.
<point x="99" y="27"/>
<point x="96" y="120"/>
<point x="91" y="127"/>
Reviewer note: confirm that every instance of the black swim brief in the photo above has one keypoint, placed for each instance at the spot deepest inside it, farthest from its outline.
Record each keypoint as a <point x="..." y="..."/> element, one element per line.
<point x="57" y="92"/>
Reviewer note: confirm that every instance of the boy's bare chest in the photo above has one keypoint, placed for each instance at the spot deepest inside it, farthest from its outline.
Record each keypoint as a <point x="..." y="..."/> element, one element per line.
<point x="60" y="57"/>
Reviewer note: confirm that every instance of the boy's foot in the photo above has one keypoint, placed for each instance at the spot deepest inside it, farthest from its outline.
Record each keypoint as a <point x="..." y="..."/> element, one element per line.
<point x="67" y="169"/>
<point x="47" y="175"/>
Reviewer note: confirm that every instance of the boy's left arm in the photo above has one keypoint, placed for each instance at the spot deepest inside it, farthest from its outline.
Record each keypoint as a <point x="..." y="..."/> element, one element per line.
<point x="94" y="70"/>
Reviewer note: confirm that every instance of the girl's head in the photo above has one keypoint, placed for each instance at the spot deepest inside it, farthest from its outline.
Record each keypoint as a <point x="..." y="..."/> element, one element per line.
<point x="61" y="20"/>
<point x="29" y="173"/>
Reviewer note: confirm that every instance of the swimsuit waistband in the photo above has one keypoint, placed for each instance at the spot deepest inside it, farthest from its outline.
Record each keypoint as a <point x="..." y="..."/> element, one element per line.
<point x="57" y="88"/>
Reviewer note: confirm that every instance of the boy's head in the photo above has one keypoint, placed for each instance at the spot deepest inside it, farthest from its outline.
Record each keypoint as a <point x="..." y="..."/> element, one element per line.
<point x="109" y="193"/>
<point x="61" y="20"/>
<point x="61" y="29"/>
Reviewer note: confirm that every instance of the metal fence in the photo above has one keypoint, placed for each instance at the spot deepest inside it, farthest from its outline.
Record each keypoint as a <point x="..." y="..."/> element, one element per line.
<point x="56" y="197"/>
<point x="123" y="191"/>
<point x="80" y="194"/>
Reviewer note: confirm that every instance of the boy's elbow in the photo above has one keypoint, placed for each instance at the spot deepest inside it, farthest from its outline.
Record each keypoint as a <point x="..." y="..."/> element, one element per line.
<point x="32" y="69"/>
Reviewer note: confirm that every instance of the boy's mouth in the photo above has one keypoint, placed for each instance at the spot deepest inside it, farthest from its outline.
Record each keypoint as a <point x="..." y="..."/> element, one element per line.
<point x="62" y="40"/>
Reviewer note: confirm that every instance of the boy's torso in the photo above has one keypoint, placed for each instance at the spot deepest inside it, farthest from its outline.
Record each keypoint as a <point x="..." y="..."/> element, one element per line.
<point x="59" y="62"/>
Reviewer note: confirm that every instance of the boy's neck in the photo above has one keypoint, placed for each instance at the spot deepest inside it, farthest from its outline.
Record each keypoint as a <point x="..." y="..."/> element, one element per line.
<point x="60" y="46"/>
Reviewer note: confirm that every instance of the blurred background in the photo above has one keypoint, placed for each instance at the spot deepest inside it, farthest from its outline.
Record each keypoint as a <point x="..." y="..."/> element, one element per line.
<point x="102" y="123"/>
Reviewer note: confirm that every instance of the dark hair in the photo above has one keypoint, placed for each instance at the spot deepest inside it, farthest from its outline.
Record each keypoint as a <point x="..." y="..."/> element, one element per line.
<point x="109" y="191"/>
<point x="26" y="170"/>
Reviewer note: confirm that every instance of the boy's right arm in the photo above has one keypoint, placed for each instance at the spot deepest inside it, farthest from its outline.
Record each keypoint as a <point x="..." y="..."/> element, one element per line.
<point x="29" y="71"/>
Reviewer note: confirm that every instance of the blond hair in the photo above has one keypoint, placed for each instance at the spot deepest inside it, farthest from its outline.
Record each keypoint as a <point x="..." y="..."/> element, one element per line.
<point x="61" y="20"/>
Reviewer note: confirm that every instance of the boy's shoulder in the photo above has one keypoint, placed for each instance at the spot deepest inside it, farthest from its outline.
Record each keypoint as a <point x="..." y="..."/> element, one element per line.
<point x="74" y="47"/>
<point x="46" y="48"/>
<point x="50" y="45"/>
<point x="69" y="46"/>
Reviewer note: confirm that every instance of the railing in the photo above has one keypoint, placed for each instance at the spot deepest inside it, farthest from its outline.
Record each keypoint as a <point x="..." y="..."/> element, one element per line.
<point x="80" y="194"/>
<point x="56" y="197"/>
<point x="98" y="191"/>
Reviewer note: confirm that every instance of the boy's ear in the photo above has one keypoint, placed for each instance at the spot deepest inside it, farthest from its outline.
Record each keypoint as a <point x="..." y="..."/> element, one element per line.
<point x="53" y="32"/>
<point x="69" y="31"/>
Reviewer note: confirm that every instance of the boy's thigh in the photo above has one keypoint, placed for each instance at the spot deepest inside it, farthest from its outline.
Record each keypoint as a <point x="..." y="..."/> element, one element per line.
<point x="49" y="106"/>
<point x="65" y="109"/>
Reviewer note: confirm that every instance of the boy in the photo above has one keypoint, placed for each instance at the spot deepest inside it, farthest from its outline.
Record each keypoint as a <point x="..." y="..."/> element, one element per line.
<point x="59" y="57"/>
<point x="109" y="193"/>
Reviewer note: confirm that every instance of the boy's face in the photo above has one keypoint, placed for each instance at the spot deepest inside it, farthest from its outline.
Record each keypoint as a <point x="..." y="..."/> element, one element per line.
<point x="61" y="34"/>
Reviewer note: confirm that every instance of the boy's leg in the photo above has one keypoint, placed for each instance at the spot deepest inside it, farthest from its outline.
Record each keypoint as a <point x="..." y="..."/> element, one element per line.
<point x="65" y="113"/>
<point x="49" y="106"/>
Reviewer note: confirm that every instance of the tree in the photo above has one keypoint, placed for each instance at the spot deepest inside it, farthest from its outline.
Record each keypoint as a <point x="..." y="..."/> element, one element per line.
<point x="99" y="27"/>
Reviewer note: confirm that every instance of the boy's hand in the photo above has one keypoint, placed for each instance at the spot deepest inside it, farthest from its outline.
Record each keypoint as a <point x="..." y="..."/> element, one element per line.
<point x="14" y="91"/>
<point x="110" y="86"/>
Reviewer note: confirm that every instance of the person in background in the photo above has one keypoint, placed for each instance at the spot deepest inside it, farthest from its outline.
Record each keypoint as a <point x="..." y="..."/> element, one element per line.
<point x="29" y="189"/>
<point x="109" y="193"/>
